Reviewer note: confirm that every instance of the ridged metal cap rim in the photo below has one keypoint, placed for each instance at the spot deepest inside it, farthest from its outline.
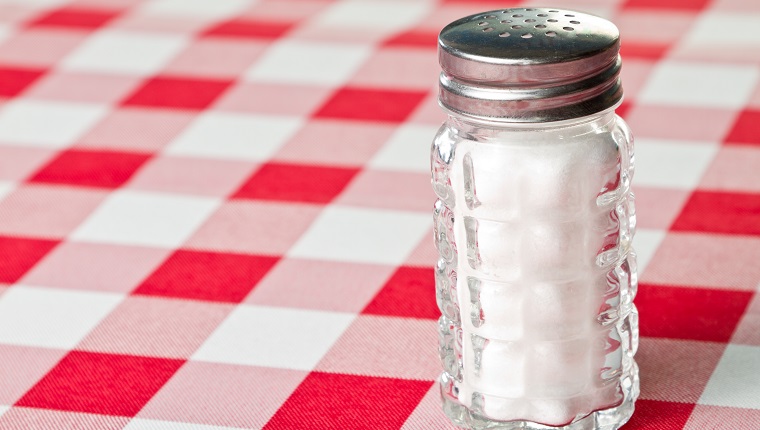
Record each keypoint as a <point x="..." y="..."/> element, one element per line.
<point x="556" y="65"/>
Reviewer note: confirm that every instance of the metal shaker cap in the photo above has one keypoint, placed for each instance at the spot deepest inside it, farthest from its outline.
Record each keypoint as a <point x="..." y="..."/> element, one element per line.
<point x="529" y="65"/>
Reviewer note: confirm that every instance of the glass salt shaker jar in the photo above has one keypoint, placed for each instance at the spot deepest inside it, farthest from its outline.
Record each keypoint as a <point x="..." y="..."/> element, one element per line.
<point x="533" y="224"/>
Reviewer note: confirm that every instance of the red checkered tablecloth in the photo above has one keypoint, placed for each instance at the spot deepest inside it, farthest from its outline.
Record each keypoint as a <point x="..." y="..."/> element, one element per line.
<point x="216" y="214"/>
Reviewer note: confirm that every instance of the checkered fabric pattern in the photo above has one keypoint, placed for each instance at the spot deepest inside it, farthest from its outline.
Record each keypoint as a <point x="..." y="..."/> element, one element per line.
<point x="216" y="214"/>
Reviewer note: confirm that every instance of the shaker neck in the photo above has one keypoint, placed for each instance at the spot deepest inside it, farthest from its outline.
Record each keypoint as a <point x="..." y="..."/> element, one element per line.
<point x="470" y="125"/>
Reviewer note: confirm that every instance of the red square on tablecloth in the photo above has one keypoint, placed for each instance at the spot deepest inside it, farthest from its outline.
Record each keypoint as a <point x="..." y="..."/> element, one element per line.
<point x="657" y="415"/>
<point x="13" y="80"/>
<point x="410" y="292"/>
<point x="249" y="29"/>
<point x="197" y="275"/>
<point x="69" y="17"/>
<point x="106" y="384"/>
<point x="720" y="212"/>
<point x="690" y="313"/>
<point x="179" y="93"/>
<point x="18" y="255"/>
<point x="689" y="5"/>
<point x="104" y="169"/>
<point x="746" y="129"/>
<point x="371" y="104"/>
<point x="415" y="38"/>
<point x="342" y="401"/>
<point x="296" y="182"/>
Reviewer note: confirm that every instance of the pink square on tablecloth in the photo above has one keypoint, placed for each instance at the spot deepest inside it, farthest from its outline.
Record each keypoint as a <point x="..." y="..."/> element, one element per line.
<point x="748" y="331"/>
<point x="708" y="260"/>
<point x="18" y="162"/>
<point x="17" y="12"/>
<point x="335" y="142"/>
<point x="734" y="168"/>
<point x="272" y="99"/>
<point x="285" y="10"/>
<point x="19" y="418"/>
<point x="155" y="23"/>
<point x="389" y="190"/>
<point x="107" y="384"/>
<point x="187" y="175"/>
<point x="372" y="346"/>
<point x="335" y="34"/>
<point x="156" y="327"/>
<point x="706" y="416"/>
<point x="97" y="267"/>
<point x="634" y="75"/>
<point x="429" y="414"/>
<point x="47" y="210"/>
<point x="22" y="367"/>
<point x="398" y="68"/>
<point x="653" y="25"/>
<point x="696" y="124"/>
<point x="425" y="254"/>
<point x="428" y="112"/>
<point x="39" y="47"/>
<point x="322" y="285"/>
<point x="656" y="208"/>
<point x="215" y="58"/>
<point x="136" y="129"/>
<point x="258" y="227"/>
<point x="676" y="370"/>
<point x="375" y="402"/>
<point x="223" y="395"/>
<point x="82" y="87"/>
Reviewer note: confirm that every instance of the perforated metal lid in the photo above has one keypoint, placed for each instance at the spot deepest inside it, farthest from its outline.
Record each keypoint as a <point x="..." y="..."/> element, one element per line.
<point x="529" y="65"/>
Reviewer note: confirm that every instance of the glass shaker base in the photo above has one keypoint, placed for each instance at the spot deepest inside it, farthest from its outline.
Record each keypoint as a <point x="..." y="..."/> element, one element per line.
<point x="606" y="419"/>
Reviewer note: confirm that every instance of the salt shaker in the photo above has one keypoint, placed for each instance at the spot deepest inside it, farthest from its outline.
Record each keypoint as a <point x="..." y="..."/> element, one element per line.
<point x="533" y="224"/>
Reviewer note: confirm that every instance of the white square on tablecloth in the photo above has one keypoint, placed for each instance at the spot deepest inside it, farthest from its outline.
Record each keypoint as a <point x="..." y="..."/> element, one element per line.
<point x="5" y="31"/>
<point x="143" y="424"/>
<point x="362" y="235"/>
<point x="646" y="242"/>
<point x="197" y="8"/>
<point x="274" y="337"/>
<point x="739" y="33"/>
<point x="124" y="52"/>
<point x="301" y="62"/>
<point x="407" y="149"/>
<point x="47" y="124"/>
<point x="697" y="84"/>
<point x="5" y="188"/>
<point x="671" y="164"/>
<point x="736" y="380"/>
<point x="51" y="317"/>
<point x="359" y="15"/>
<point x="234" y="136"/>
<point x="144" y="218"/>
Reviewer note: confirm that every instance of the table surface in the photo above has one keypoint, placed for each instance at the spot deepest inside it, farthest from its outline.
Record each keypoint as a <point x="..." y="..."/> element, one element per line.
<point x="216" y="214"/>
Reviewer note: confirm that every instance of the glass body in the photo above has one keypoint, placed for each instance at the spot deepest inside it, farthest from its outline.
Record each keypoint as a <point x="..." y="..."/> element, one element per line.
<point x="536" y="275"/>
